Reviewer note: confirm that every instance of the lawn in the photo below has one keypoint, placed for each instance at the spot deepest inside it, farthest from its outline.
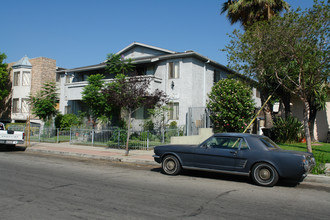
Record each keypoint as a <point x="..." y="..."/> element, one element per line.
<point x="321" y="151"/>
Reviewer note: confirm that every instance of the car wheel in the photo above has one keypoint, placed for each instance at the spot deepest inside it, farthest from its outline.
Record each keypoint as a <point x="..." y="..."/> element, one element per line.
<point x="264" y="174"/>
<point x="171" y="165"/>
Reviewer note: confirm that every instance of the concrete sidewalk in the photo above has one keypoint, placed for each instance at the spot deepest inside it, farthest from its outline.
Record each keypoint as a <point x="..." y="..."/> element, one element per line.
<point x="135" y="156"/>
<point x="140" y="157"/>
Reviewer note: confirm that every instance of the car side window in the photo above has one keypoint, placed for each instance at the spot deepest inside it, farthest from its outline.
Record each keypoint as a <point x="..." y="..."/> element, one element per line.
<point x="223" y="143"/>
<point x="244" y="145"/>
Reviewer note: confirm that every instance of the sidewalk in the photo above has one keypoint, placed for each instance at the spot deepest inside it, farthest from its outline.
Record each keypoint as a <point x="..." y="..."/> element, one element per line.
<point x="135" y="156"/>
<point x="140" y="157"/>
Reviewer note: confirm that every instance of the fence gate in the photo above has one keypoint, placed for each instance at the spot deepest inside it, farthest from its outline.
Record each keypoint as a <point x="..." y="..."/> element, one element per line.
<point x="197" y="117"/>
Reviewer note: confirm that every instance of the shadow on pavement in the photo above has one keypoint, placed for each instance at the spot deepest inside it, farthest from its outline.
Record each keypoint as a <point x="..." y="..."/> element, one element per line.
<point x="228" y="177"/>
<point x="9" y="148"/>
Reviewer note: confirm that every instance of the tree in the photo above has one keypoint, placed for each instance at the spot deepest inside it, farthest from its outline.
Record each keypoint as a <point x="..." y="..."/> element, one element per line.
<point x="292" y="51"/>
<point x="131" y="93"/>
<point x="4" y="78"/>
<point x="247" y="12"/>
<point x="94" y="99"/>
<point x="231" y="105"/>
<point x="66" y="121"/>
<point x="44" y="102"/>
<point x="117" y="64"/>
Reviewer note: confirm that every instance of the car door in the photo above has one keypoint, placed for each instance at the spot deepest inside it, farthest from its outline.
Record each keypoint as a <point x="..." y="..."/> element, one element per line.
<point x="217" y="153"/>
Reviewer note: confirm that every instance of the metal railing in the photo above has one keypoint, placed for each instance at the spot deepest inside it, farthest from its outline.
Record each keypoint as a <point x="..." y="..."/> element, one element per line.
<point x="112" y="138"/>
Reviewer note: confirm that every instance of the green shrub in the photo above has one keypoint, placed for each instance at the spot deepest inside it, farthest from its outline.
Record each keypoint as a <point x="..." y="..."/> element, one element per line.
<point x="173" y="125"/>
<point x="231" y="106"/>
<point x="320" y="167"/>
<point x="287" y="130"/>
<point x="148" y="125"/>
<point x="67" y="121"/>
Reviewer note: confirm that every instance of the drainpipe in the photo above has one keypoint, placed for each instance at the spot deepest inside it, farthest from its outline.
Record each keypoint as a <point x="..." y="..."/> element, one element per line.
<point x="204" y="80"/>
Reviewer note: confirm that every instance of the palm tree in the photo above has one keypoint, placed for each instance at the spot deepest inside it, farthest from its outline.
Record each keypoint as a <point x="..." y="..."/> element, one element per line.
<point x="250" y="11"/>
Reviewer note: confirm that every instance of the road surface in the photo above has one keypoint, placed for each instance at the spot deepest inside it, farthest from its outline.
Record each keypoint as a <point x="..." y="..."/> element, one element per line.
<point x="35" y="186"/>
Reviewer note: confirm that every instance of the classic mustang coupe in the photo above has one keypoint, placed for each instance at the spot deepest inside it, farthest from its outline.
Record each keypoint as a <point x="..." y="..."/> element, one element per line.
<point x="236" y="153"/>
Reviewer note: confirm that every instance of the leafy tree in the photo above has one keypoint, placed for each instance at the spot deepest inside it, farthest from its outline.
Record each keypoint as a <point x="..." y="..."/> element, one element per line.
<point x="231" y="105"/>
<point x="247" y="12"/>
<point x="4" y="77"/>
<point x="44" y="102"/>
<point x="292" y="51"/>
<point x="117" y="64"/>
<point x="94" y="99"/>
<point x="159" y="115"/>
<point x="67" y="121"/>
<point x="131" y="93"/>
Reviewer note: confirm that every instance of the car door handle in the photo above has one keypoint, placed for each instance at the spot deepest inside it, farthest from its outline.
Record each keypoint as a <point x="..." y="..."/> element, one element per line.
<point x="233" y="152"/>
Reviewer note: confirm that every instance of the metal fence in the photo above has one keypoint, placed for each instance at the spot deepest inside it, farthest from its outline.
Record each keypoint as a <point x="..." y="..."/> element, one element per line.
<point x="197" y="117"/>
<point x="112" y="138"/>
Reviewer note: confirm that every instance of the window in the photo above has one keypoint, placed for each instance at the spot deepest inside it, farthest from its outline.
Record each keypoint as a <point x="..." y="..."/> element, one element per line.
<point x="150" y="70"/>
<point x="26" y="78"/>
<point x="67" y="110"/>
<point x="173" y="70"/>
<point x="141" y="113"/>
<point x="17" y="78"/>
<point x="216" y="76"/>
<point x="58" y="77"/>
<point x="15" y="105"/>
<point x="224" y="142"/>
<point x="25" y="105"/>
<point x="257" y="93"/>
<point x="174" y="111"/>
<point x="67" y="79"/>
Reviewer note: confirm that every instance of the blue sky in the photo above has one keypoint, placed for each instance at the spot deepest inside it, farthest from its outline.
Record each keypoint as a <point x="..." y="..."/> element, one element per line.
<point x="82" y="32"/>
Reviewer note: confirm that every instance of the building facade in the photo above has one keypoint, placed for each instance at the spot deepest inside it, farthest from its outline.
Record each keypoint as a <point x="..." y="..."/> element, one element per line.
<point x="27" y="77"/>
<point x="186" y="77"/>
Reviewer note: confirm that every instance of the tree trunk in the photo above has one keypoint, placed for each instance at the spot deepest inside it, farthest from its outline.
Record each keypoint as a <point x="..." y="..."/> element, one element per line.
<point x="267" y="112"/>
<point x="306" y="127"/>
<point x="268" y="116"/>
<point x="311" y="121"/>
<point x="286" y="98"/>
<point x="128" y="131"/>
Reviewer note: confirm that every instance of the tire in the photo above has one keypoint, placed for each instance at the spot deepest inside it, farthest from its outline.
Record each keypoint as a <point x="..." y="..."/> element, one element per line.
<point x="264" y="174"/>
<point x="171" y="165"/>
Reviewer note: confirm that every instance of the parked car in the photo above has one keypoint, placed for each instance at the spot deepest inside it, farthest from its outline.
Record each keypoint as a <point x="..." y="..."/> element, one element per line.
<point x="236" y="153"/>
<point x="10" y="137"/>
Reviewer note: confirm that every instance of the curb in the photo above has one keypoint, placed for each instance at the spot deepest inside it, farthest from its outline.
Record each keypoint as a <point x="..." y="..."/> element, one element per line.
<point x="125" y="159"/>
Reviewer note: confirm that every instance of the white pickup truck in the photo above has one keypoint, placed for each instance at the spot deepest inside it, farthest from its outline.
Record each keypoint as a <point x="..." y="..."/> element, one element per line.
<point x="9" y="137"/>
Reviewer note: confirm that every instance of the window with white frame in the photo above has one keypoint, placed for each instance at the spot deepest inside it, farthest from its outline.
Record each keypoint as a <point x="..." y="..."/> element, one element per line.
<point x="25" y="105"/>
<point x="17" y="78"/>
<point x="173" y="70"/>
<point x="174" y="111"/>
<point x="26" y="81"/>
<point x="15" y="105"/>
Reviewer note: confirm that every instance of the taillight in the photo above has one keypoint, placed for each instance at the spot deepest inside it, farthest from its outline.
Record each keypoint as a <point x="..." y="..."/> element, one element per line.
<point x="23" y="135"/>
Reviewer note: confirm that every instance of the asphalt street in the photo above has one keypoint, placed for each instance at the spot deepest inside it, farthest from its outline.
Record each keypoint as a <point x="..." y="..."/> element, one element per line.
<point x="36" y="186"/>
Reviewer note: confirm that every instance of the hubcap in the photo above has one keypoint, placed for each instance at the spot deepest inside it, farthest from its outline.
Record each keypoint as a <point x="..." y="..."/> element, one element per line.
<point x="264" y="174"/>
<point x="170" y="165"/>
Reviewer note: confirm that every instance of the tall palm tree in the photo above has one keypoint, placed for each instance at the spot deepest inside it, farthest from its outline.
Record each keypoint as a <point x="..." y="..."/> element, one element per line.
<point x="248" y="12"/>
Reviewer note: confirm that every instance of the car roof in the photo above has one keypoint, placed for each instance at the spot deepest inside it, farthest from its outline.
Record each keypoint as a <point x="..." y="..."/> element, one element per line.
<point x="229" y="134"/>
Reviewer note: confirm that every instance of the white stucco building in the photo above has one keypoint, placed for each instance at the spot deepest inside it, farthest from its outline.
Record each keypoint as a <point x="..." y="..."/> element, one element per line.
<point x="186" y="77"/>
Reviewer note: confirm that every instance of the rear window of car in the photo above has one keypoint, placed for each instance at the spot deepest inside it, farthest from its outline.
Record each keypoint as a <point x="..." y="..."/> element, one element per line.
<point x="269" y="143"/>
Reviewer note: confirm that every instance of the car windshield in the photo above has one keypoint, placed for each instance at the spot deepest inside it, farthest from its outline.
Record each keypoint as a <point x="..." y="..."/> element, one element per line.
<point x="269" y="143"/>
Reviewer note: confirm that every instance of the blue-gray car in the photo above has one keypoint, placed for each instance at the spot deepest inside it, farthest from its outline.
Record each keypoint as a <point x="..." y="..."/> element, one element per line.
<point x="236" y="153"/>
